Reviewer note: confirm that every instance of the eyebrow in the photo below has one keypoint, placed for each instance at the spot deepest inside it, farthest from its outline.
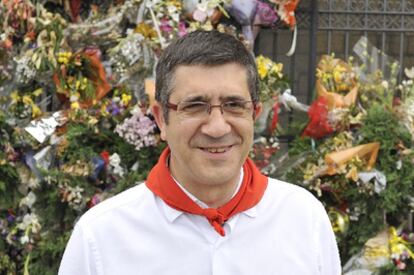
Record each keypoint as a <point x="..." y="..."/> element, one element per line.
<point x="232" y="98"/>
<point x="195" y="98"/>
<point x="205" y="98"/>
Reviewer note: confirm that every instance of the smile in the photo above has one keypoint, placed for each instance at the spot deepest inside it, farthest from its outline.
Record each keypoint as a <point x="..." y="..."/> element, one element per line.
<point x="216" y="150"/>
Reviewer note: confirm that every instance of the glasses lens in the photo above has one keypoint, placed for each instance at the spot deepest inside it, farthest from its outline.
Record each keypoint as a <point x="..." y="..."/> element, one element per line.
<point x="237" y="107"/>
<point x="192" y="108"/>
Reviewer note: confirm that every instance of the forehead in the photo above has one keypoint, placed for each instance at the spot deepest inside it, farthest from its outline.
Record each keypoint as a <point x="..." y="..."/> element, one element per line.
<point x="210" y="82"/>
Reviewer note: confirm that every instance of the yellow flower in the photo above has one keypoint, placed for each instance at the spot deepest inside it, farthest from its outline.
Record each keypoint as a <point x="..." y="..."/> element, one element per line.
<point x="84" y="83"/>
<point x="337" y="75"/>
<point x="208" y="26"/>
<point x="319" y="73"/>
<point x="37" y="92"/>
<point x="63" y="57"/>
<point x="27" y="100"/>
<point x="77" y="85"/>
<point x="75" y="105"/>
<point x="92" y="120"/>
<point x="175" y="3"/>
<point x="63" y="60"/>
<point x="277" y="69"/>
<point x="15" y="97"/>
<point x="263" y="66"/>
<point x="104" y="112"/>
<point x="352" y="174"/>
<point x="126" y="99"/>
<point x="146" y="30"/>
<point x="36" y="111"/>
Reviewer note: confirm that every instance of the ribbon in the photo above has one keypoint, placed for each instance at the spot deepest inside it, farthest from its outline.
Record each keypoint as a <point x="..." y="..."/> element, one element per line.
<point x="275" y="118"/>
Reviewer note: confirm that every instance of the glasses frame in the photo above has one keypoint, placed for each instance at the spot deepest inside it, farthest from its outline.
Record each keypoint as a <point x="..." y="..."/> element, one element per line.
<point x="174" y="107"/>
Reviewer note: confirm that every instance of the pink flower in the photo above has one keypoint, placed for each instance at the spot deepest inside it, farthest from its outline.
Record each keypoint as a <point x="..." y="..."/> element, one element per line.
<point x="165" y="26"/>
<point x="199" y="15"/>
<point x="181" y="29"/>
<point x="265" y="15"/>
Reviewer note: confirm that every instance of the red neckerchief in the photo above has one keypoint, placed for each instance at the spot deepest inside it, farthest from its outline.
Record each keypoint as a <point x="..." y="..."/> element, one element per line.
<point x="161" y="183"/>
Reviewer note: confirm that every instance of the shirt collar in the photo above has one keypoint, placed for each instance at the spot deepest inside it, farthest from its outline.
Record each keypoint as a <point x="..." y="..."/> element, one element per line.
<point x="172" y="214"/>
<point x="201" y="203"/>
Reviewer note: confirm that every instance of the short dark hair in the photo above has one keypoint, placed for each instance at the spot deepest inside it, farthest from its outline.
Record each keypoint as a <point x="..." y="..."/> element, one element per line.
<point x="207" y="48"/>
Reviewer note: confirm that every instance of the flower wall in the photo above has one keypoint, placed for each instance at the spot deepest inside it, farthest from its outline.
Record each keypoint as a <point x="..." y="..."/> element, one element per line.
<point x="76" y="87"/>
<point x="355" y="153"/>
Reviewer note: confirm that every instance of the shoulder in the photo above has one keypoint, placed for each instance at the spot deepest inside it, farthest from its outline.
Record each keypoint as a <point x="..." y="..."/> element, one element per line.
<point x="282" y="189"/>
<point x="133" y="198"/>
<point x="291" y="196"/>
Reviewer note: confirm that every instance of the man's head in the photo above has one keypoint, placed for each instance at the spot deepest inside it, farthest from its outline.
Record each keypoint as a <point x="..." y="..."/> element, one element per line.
<point x="208" y="83"/>
<point x="202" y="48"/>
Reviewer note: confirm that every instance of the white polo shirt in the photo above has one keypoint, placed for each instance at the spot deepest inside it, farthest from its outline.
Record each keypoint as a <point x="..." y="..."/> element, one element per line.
<point x="135" y="232"/>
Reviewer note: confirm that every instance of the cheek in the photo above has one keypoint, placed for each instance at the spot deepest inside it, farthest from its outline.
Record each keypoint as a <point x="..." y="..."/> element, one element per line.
<point x="179" y="133"/>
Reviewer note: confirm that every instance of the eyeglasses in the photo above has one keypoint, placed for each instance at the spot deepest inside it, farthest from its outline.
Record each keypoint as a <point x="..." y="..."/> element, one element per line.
<point x="200" y="108"/>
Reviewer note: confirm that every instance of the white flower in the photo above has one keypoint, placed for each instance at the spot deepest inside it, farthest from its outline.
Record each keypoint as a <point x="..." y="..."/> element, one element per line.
<point x="199" y="15"/>
<point x="29" y="200"/>
<point x="24" y="239"/>
<point x="114" y="162"/>
<point x="409" y="72"/>
<point x="73" y="98"/>
<point x="384" y="84"/>
<point x="175" y="17"/>
<point x="30" y="220"/>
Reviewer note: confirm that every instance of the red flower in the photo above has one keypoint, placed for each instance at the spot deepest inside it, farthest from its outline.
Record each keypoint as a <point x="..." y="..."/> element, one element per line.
<point x="290" y="12"/>
<point x="105" y="157"/>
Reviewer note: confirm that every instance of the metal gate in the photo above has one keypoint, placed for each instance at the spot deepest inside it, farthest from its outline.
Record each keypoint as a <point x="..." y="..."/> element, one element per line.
<point x="334" y="26"/>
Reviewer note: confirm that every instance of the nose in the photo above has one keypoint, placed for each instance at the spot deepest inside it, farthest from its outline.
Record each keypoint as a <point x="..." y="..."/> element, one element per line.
<point x="216" y="124"/>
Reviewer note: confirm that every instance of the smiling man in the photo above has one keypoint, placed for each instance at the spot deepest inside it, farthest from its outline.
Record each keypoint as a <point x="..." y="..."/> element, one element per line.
<point x="205" y="208"/>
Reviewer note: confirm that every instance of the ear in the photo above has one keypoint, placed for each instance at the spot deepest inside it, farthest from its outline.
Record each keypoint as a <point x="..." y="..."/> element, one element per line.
<point x="159" y="119"/>
<point x="257" y="110"/>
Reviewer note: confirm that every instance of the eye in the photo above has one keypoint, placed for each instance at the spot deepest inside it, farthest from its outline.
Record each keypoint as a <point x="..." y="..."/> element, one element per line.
<point x="192" y="107"/>
<point x="235" y="106"/>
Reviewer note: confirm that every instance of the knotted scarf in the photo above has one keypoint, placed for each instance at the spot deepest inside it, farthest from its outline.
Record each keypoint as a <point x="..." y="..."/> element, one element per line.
<point x="253" y="186"/>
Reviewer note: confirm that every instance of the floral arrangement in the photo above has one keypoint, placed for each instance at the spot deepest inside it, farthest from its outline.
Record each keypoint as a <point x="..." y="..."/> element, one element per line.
<point x="355" y="155"/>
<point x="272" y="80"/>
<point x="80" y="78"/>
<point x="23" y="104"/>
<point x="272" y="85"/>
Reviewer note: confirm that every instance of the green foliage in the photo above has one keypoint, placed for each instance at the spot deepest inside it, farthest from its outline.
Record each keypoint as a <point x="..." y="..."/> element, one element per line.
<point x="9" y="194"/>
<point x="45" y="258"/>
<point x="382" y="125"/>
<point x="301" y="145"/>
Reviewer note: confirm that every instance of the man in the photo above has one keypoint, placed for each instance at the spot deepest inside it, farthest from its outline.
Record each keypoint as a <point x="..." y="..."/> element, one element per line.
<point x="205" y="208"/>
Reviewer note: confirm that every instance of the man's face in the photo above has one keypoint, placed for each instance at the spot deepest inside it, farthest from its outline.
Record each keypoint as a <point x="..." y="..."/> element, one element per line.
<point x="208" y="149"/>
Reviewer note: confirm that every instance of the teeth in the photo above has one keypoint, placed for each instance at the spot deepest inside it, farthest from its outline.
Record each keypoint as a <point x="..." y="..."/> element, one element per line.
<point x="216" y="150"/>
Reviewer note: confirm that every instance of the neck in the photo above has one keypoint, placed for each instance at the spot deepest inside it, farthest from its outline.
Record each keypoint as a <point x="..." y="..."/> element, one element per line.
<point x="213" y="195"/>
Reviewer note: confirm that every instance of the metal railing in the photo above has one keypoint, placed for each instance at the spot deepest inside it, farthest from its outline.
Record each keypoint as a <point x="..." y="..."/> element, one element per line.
<point x="334" y="26"/>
